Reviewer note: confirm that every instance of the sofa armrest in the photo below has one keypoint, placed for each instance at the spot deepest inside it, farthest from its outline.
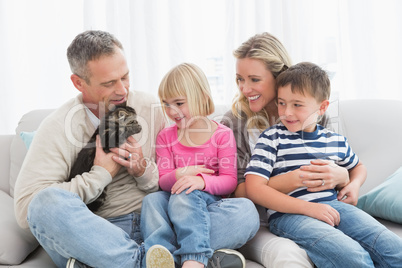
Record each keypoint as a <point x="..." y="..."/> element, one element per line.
<point x="15" y="243"/>
<point x="5" y="143"/>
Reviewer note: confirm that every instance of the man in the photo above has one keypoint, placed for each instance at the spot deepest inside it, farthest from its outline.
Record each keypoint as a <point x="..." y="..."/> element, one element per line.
<point x="55" y="209"/>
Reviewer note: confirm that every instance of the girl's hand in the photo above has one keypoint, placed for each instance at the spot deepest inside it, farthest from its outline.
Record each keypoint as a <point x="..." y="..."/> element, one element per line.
<point x="323" y="175"/>
<point x="188" y="182"/>
<point x="192" y="171"/>
<point x="323" y="212"/>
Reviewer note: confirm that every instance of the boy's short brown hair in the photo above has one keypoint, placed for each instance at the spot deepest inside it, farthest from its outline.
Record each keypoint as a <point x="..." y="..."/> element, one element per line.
<point x="306" y="77"/>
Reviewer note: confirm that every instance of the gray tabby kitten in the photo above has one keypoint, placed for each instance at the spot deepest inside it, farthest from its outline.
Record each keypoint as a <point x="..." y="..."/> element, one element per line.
<point x="114" y="129"/>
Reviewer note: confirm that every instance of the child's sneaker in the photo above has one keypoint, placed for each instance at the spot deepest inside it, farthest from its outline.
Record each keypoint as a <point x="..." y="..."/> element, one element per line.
<point x="73" y="263"/>
<point x="159" y="257"/>
<point x="227" y="258"/>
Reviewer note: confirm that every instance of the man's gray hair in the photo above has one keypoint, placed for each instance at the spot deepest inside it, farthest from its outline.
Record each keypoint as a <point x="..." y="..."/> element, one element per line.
<point x="87" y="46"/>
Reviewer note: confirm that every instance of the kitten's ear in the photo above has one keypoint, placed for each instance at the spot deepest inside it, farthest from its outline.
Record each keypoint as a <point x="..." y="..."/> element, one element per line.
<point x="78" y="82"/>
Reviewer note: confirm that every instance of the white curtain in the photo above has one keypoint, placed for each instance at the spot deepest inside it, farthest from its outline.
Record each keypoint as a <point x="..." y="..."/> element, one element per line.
<point x="357" y="41"/>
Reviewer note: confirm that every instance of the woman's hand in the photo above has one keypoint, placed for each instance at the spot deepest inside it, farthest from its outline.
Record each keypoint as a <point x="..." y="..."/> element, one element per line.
<point x="322" y="175"/>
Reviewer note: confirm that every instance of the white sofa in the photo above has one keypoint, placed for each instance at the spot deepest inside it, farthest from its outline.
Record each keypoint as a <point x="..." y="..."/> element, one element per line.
<point x="373" y="129"/>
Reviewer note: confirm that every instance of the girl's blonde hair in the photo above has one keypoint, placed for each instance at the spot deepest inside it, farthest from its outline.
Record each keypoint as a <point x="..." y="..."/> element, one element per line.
<point x="188" y="80"/>
<point x="270" y="51"/>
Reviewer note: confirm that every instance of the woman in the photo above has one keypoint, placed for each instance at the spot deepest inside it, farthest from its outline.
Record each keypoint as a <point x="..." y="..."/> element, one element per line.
<point x="259" y="61"/>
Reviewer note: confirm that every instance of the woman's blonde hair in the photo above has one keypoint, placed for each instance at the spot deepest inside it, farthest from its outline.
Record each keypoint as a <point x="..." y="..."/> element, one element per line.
<point x="270" y="51"/>
<point x="188" y="80"/>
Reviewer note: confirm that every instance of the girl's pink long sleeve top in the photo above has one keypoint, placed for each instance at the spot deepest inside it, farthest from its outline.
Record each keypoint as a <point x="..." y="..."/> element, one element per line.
<point x="218" y="154"/>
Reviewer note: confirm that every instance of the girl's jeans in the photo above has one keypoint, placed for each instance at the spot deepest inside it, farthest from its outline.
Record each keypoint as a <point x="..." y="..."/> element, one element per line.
<point x="65" y="227"/>
<point x="358" y="241"/>
<point x="193" y="225"/>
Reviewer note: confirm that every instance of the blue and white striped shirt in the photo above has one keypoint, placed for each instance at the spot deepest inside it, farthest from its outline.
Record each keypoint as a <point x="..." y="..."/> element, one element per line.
<point x="279" y="151"/>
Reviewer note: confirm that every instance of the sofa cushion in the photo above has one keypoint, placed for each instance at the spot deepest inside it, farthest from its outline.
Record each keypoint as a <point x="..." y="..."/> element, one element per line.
<point x="16" y="243"/>
<point x="28" y="123"/>
<point x="27" y="137"/>
<point x="374" y="135"/>
<point x="385" y="200"/>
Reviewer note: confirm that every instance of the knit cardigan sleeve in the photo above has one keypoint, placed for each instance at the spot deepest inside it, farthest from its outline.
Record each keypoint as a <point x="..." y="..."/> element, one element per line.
<point x="239" y="128"/>
<point x="50" y="157"/>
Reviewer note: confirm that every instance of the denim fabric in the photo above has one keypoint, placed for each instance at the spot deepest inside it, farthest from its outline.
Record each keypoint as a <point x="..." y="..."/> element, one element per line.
<point x="130" y="223"/>
<point x="190" y="218"/>
<point x="358" y="241"/>
<point x="202" y="223"/>
<point x="65" y="227"/>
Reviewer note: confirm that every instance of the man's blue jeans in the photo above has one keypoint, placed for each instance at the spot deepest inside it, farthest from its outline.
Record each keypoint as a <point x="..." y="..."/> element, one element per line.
<point x="65" y="227"/>
<point x="202" y="223"/>
<point x="358" y="241"/>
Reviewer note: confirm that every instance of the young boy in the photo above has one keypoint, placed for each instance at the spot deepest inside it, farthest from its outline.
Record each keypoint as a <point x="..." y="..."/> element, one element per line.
<point x="333" y="233"/>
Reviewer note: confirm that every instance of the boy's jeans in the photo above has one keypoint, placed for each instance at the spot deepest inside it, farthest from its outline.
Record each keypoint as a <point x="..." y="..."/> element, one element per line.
<point x="65" y="228"/>
<point x="358" y="241"/>
<point x="198" y="217"/>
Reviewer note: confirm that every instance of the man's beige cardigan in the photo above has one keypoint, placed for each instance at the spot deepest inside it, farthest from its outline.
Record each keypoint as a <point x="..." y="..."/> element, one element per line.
<point x="54" y="149"/>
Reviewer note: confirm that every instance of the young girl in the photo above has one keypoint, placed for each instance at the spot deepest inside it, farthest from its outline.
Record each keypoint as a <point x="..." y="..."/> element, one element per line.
<point x="196" y="159"/>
